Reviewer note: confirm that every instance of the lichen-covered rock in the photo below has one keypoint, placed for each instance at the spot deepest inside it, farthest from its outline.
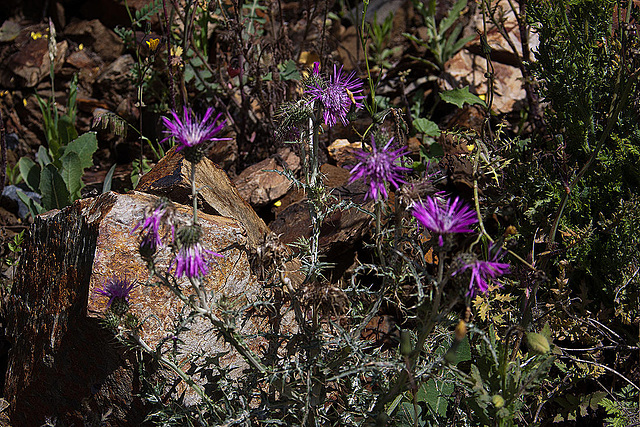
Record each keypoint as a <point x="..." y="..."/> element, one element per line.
<point x="62" y="365"/>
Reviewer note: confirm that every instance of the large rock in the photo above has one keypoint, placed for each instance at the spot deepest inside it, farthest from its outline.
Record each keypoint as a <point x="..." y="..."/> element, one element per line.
<point x="171" y="178"/>
<point x="260" y="185"/>
<point x="62" y="365"/>
<point x="25" y="62"/>
<point x="102" y="40"/>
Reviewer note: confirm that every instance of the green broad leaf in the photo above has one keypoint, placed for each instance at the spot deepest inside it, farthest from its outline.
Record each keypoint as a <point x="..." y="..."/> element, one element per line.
<point x="30" y="172"/>
<point x="436" y="393"/>
<point x="66" y="130"/>
<point x="43" y="156"/>
<point x="34" y="207"/>
<point x="71" y="173"/>
<point x="53" y="189"/>
<point x="189" y="73"/>
<point x="427" y="127"/>
<point x="84" y="146"/>
<point x="106" y="186"/>
<point x="289" y="71"/>
<point x="459" y="97"/>
<point x="434" y="151"/>
<point x="463" y="352"/>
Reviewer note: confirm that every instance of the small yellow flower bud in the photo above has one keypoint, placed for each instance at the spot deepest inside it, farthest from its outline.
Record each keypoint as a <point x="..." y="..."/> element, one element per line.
<point x="461" y="330"/>
<point x="153" y="44"/>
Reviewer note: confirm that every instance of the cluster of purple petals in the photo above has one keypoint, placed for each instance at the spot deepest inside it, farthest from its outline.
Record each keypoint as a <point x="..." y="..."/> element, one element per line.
<point x="116" y="289"/>
<point x="150" y="227"/>
<point x="190" y="131"/>
<point x="337" y="96"/>
<point x="481" y="271"/>
<point x="444" y="216"/>
<point x="191" y="260"/>
<point x="379" y="167"/>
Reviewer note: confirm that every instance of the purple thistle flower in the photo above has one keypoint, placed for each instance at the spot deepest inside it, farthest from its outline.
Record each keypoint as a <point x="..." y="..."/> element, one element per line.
<point x="190" y="130"/>
<point x="116" y="289"/>
<point x="443" y="217"/>
<point x="481" y="271"/>
<point x="337" y="96"/>
<point x="191" y="258"/>
<point x="378" y="167"/>
<point x="150" y="226"/>
<point x="191" y="261"/>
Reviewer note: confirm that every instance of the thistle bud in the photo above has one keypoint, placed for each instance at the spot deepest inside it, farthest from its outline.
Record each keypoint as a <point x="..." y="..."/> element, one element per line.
<point x="538" y="343"/>
<point x="497" y="400"/>
<point x="461" y="330"/>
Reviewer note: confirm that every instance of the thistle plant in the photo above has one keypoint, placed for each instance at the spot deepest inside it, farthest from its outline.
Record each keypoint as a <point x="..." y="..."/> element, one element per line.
<point x="318" y="366"/>
<point x="191" y="260"/>
<point x="333" y="99"/>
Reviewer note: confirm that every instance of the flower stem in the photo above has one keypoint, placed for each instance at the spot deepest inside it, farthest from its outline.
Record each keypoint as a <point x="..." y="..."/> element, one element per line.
<point x="194" y="193"/>
<point x="172" y="366"/>
<point x="313" y="189"/>
<point x="378" y="213"/>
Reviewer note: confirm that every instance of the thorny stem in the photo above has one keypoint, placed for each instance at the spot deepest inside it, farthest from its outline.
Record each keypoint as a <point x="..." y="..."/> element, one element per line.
<point x="378" y="213"/>
<point x="363" y="42"/>
<point x="172" y="366"/>
<point x="140" y="104"/>
<point x="230" y="336"/>
<point x="236" y="341"/>
<point x="194" y="193"/>
<point x="401" y="383"/>
<point x="3" y="153"/>
<point x="313" y="188"/>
